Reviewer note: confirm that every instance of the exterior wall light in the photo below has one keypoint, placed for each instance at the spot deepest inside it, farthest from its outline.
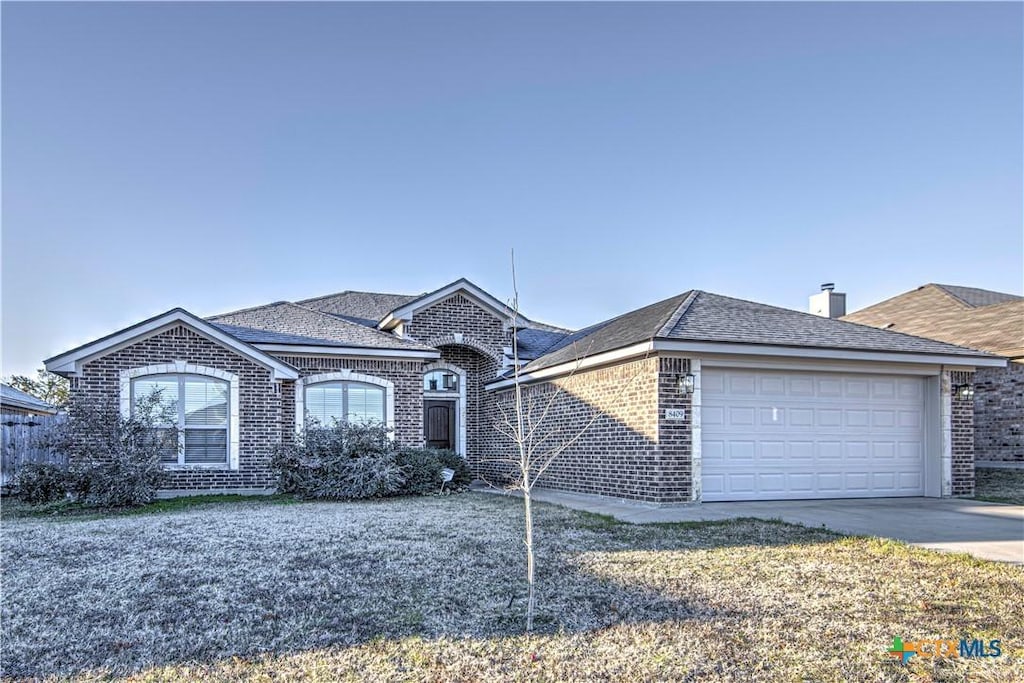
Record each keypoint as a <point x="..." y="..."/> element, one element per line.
<point x="964" y="391"/>
<point x="687" y="383"/>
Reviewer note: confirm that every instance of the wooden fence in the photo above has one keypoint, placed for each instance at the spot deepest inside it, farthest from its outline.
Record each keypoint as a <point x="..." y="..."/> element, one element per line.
<point x="20" y="440"/>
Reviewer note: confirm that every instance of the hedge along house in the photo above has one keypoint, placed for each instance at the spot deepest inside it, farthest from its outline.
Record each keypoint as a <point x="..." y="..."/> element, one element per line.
<point x="698" y="397"/>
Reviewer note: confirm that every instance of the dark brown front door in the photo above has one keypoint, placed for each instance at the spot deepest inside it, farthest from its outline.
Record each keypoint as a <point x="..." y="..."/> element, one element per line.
<point x="439" y="424"/>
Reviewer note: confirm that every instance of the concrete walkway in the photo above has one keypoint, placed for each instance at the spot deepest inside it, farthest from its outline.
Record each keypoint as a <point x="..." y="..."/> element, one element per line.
<point x="989" y="531"/>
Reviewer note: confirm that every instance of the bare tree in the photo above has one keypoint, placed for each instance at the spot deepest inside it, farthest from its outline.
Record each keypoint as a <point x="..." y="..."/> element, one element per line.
<point x="537" y="439"/>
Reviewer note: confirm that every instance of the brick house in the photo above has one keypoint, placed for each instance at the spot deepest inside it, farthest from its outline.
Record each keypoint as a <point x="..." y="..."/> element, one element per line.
<point x="698" y="397"/>
<point x="979" y="319"/>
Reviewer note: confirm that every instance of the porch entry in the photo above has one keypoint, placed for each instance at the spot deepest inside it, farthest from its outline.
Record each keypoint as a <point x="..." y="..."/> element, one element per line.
<point x="439" y="423"/>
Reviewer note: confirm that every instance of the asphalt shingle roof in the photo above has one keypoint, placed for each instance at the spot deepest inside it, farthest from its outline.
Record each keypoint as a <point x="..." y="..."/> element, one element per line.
<point x="935" y="312"/>
<point x="16" y="397"/>
<point x="975" y="298"/>
<point x="310" y="326"/>
<point x="704" y="317"/>
<point x="364" y="305"/>
<point x="533" y="343"/>
<point x="255" y="336"/>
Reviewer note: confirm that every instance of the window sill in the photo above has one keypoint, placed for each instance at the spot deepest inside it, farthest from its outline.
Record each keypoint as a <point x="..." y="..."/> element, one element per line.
<point x="185" y="468"/>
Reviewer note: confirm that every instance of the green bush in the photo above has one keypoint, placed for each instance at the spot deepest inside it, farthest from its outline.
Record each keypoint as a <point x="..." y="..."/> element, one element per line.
<point x="422" y="468"/>
<point x="40" y="483"/>
<point x="346" y="461"/>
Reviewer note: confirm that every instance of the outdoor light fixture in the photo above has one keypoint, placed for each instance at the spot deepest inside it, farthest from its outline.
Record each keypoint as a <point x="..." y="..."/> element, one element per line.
<point x="687" y="383"/>
<point x="963" y="391"/>
<point x="450" y="382"/>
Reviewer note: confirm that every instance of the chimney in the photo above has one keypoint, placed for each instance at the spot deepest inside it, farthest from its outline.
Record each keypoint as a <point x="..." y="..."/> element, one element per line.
<point x="828" y="303"/>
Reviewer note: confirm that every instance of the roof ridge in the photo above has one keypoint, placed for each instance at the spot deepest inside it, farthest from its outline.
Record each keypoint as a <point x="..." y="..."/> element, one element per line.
<point x="353" y="291"/>
<point x="678" y="313"/>
<point x="245" y="310"/>
<point x="943" y="289"/>
<point x="953" y="290"/>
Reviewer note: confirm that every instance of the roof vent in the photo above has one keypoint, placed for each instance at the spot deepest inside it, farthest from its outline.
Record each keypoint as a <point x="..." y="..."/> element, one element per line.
<point x="828" y="303"/>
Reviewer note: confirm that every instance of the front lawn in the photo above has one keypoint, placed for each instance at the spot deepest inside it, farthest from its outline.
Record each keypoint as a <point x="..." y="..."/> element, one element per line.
<point x="999" y="485"/>
<point x="432" y="589"/>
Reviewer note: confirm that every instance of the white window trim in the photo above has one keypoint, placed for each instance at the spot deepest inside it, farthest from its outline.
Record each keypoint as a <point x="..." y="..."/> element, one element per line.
<point x="460" y="427"/>
<point x="344" y="376"/>
<point x="180" y="367"/>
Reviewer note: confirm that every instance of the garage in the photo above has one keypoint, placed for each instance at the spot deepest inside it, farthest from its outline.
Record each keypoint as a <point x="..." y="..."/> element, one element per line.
<point x="774" y="435"/>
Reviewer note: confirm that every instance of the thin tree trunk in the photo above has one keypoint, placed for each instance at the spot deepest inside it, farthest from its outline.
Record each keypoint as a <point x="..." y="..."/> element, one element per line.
<point x="531" y="600"/>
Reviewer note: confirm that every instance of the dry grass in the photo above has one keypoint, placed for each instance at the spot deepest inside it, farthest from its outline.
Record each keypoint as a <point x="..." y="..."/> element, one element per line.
<point x="999" y="485"/>
<point x="420" y="589"/>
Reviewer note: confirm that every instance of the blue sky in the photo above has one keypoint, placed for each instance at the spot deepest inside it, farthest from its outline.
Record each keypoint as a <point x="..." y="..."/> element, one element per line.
<point x="216" y="156"/>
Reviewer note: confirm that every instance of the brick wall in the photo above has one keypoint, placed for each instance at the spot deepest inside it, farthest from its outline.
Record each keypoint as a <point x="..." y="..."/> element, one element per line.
<point x="483" y="338"/>
<point x="999" y="413"/>
<point x="675" y="437"/>
<point x="628" y="450"/>
<point x="406" y="375"/>
<point x="259" y="406"/>
<point x="962" y="423"/>
<point x="458" y="314"/>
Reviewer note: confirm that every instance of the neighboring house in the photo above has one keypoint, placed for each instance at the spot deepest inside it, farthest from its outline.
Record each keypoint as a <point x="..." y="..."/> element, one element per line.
<point x="979" y="319"/>
<point x="16" y="402"/>
<point x="727" y="399"/>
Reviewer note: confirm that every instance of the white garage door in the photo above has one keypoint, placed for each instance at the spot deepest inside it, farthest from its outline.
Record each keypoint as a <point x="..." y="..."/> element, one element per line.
<point x="769" y="435"/>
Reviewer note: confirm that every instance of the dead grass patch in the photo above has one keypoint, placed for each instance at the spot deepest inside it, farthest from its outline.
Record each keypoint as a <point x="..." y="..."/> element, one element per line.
<point x="432" y="589"/>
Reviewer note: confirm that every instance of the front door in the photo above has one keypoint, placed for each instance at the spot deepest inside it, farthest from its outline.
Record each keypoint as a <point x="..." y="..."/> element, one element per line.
<point x="439" y="424"/>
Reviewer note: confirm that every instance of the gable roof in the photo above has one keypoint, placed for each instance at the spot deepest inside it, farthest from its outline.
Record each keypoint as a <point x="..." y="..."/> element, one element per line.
<point x="697" y="316"/>
<point x="461" y="286"/>
<point x="69" y="361"/>
<point x="967" y="316"/>
<point x="314" y="327"/>
<point x="363" y="305"/>
<point x="16" y="398"/>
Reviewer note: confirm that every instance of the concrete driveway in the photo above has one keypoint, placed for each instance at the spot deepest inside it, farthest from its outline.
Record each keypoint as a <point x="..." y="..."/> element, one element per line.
<point x="990" y="531"/>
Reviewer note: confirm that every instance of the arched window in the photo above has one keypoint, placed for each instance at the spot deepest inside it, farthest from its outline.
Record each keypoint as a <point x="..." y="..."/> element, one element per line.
<point x="440" y="380"/>
<point x="198" y="406"/>
<point x="341" y="401"/>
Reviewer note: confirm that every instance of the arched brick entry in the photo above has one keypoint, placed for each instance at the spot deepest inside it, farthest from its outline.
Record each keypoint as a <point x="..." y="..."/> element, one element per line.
<point x="457" y="339"/>
<point x="481" y="366"/>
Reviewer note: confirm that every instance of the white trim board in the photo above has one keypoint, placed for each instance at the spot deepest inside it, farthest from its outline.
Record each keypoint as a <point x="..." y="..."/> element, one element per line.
<point x="480" y="297"/>
<point x="980" y="360"/>
<point x="766" y="356"/>
<point x="70" y="362"/>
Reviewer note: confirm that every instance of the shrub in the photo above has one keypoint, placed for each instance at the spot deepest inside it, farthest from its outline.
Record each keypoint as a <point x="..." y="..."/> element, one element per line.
<point x="115" y="459"/>
<point x="422" y="468"/>
<point x="346" y="461"/>
<point x="341" y="461"/>
<point x="40" y="483"/>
